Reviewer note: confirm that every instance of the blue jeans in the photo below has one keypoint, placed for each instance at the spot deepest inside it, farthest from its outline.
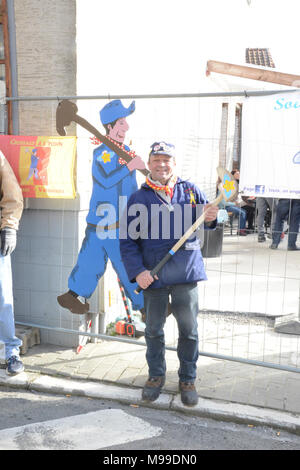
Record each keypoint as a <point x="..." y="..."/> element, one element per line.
<point x="7" y="323"/>
<point x="184" y="299"/>
<point x="287" y="210"/>
<point x="240" y="213"/>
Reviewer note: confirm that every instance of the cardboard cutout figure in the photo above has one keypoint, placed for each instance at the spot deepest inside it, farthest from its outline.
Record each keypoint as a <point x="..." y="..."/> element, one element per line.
<point x="112" y="179"/>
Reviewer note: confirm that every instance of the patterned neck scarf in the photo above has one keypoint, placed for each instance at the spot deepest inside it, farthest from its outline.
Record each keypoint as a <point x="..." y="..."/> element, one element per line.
<point x="130" y="153"/>
<point x="164" y="190"/>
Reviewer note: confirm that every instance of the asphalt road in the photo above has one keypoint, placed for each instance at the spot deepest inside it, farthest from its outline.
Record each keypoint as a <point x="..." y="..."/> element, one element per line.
<point x="34" y="420"/>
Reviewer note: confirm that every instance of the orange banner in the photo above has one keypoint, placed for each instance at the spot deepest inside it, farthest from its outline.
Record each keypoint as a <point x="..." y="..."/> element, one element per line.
<point x="44" y="166"/>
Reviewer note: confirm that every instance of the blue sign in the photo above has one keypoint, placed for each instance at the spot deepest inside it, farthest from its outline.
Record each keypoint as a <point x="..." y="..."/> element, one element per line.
<point x="259" y="189"/>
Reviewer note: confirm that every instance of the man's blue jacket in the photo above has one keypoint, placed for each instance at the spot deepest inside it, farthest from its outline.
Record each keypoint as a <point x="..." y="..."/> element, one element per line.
<point x="150" y="227"/>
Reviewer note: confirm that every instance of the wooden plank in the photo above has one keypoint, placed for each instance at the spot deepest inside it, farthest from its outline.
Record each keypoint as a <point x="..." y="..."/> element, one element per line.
<point x="253" y="73"/>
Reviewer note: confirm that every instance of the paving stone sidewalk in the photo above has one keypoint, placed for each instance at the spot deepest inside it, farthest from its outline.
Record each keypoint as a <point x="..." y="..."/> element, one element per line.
<point x="248" y="337"/>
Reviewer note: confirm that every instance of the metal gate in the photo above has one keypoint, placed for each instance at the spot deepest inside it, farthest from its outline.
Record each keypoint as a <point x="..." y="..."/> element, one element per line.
<point x="248" y="286"/>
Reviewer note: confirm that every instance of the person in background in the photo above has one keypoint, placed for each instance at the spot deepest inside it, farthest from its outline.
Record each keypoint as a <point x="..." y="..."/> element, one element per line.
<point x="11" y="206"/>
<point x="248" y="204"/>
<point x="235" y="207"/>
<point x="289" y="210"/>
<point x="262" y="205"/>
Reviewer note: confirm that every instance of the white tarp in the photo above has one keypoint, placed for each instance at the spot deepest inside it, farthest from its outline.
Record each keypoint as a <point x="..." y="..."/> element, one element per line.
<point x="270" y="159"/>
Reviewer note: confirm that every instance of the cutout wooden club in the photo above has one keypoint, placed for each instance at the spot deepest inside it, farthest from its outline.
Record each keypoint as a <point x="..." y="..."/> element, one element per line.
<point x="66" y="112"/>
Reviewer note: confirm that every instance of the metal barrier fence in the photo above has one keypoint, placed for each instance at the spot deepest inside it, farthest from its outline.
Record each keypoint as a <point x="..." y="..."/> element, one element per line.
<point x="231" y="324"/>
<point x="248" y="285"/>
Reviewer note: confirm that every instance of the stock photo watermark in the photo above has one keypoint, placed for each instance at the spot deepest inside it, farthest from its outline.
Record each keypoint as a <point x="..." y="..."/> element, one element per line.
<point x="155" y="222"/>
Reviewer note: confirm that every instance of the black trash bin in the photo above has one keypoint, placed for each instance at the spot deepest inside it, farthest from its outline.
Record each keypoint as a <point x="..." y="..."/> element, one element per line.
<point x="213" y="242"/>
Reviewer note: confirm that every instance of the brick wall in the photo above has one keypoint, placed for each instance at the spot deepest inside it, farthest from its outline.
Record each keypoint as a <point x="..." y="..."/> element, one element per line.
<point x="46" y="59"/>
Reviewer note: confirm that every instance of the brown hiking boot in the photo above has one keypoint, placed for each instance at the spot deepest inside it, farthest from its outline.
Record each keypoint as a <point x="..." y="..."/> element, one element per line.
<point x="152" y="388"/>
<point x="189" y="396"/>
<point x="72" y="303"/>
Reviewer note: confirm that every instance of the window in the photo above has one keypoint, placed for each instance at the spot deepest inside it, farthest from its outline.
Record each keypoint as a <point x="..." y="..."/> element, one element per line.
<point x="5" y="72"/>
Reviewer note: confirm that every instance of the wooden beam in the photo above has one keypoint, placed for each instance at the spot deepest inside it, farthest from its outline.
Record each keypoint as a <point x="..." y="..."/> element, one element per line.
<point x="253" y="73"/>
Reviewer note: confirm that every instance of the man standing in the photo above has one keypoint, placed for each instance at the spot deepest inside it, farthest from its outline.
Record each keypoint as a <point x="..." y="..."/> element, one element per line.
<point x="112" y="179"/>
<point x="11" y="206"/>
<point x="178" y="278"/>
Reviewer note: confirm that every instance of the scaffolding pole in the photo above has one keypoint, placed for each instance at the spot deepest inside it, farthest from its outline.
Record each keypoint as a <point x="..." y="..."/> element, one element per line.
<point x="244" y="93"/>
<point x="252" y="362"/>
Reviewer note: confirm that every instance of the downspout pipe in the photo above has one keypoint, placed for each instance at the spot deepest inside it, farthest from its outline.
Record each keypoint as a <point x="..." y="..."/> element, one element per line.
<point x="13" y="63"/>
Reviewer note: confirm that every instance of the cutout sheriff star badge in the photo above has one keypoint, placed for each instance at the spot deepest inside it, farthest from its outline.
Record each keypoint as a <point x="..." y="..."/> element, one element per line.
<point x="105" y="157"/>
<point x="228" y="185"/>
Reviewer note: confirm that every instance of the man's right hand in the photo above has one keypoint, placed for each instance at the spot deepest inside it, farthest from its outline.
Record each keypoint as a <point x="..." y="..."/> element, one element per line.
<point x="144" y="279"/>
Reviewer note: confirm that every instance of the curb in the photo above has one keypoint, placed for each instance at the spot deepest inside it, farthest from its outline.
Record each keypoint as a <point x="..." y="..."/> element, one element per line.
<point x="226" y="411"/>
